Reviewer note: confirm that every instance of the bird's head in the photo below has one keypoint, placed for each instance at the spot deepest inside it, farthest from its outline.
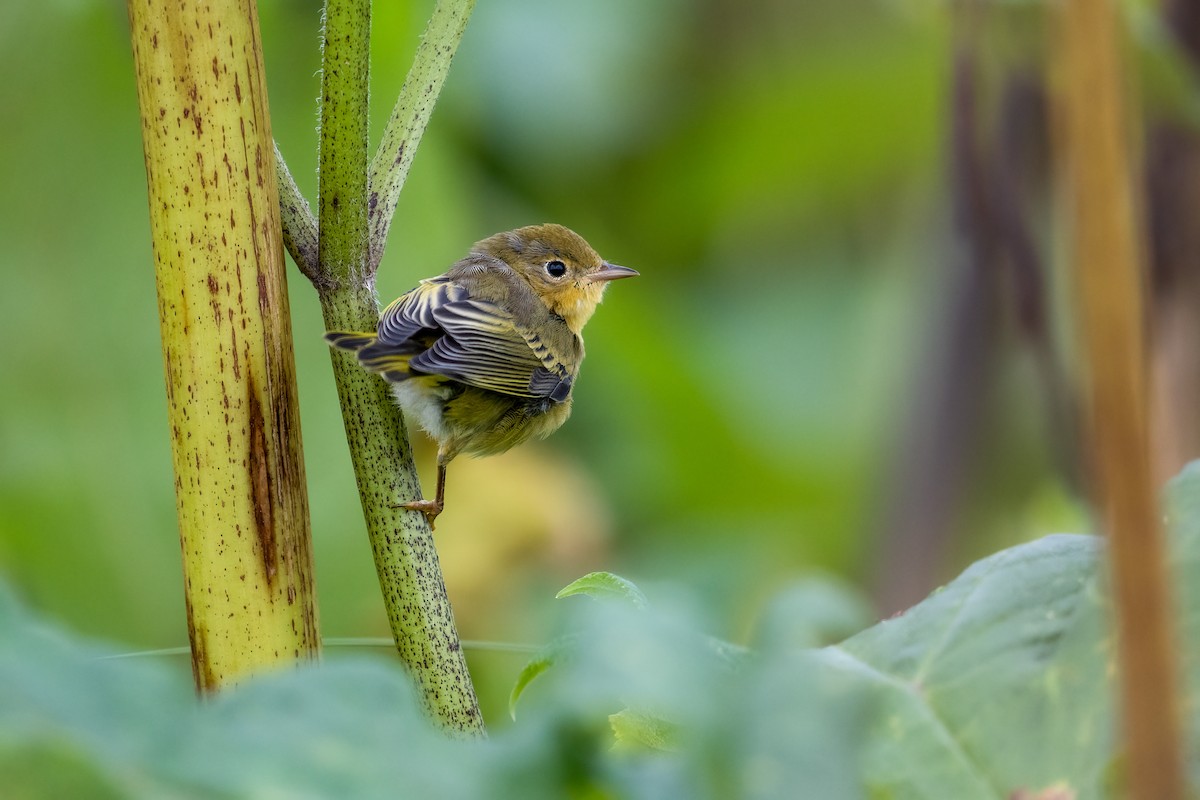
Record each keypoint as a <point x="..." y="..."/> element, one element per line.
<point x="563" y="269"/>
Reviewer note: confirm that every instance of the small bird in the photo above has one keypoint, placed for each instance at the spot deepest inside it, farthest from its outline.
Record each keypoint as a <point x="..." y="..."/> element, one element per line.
<point x="485" y="356"/>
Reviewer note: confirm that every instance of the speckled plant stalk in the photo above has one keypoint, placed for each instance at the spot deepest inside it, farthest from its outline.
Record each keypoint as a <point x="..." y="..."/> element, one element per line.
<point x="340" y="254"/>
<point x="227" y="345"/>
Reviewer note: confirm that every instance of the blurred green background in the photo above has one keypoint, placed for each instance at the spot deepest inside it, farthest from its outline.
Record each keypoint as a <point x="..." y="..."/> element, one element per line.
<point x="777" y="171"/>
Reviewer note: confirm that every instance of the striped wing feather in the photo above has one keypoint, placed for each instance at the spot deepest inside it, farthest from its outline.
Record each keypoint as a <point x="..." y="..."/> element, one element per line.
<point x="438" y="329"/>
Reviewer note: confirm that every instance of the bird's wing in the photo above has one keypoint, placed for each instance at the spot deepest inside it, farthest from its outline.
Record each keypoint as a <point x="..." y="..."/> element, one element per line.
<point x="411" y="316"/>
<point x="482" y="345"/>
<point x="439" y="329"/>
<point x="405" y="328"/>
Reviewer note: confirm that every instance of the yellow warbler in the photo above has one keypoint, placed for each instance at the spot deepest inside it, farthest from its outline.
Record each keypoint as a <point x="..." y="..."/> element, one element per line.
<point x="485" y="356"/>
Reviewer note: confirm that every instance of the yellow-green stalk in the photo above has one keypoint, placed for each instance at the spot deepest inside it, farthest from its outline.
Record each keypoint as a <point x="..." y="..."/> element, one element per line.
<point x="227" y="344"/>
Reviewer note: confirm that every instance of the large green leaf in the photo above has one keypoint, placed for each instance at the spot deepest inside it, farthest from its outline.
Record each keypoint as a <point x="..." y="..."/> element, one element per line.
<point x="998" y="682"/>
<point x="1003" y="681"/>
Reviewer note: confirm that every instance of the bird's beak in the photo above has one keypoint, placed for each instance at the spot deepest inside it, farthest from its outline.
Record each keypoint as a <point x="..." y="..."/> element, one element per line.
<point x="611" y="272"/>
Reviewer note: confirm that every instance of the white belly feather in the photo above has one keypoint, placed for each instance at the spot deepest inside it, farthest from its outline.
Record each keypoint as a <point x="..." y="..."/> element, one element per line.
<point x="424" y="405"/>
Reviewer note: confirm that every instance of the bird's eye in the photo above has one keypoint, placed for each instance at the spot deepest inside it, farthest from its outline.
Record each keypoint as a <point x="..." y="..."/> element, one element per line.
<point x="556" y="269"/>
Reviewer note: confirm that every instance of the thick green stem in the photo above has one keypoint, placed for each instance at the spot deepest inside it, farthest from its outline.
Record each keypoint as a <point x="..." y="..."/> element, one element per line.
<point x="406" y="559"/>
<point x="342" y="202"/>
<point x="333" y="253"/>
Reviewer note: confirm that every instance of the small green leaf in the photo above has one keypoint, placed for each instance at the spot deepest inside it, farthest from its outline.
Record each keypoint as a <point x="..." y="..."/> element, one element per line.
<point x="600" y="585"/>
<point x="635" y="730"/>
<point x="547" y="657"/>
<point x="605" y="585"/>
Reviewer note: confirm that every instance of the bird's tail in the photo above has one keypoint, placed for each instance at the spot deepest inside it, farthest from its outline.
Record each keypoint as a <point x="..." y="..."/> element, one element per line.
<point x="390" y="361"/>
<point x="350" y="340"/>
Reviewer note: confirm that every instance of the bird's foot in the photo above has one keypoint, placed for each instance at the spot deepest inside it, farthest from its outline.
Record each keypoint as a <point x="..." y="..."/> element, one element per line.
<point x="430" y="508"/>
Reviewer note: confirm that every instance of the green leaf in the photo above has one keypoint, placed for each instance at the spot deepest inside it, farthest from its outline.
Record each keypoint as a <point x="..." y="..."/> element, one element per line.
<point x="635" y="730"/>
<point x="997" y="686"/>
<point x="998" y="683"/>
<point x="547" y="657"/>
<point x="605" y="585"/>
<point x="796" y="720"/>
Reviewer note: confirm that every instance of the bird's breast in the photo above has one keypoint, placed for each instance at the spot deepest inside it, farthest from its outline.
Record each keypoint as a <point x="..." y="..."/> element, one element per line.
<point x="486" y="423"/>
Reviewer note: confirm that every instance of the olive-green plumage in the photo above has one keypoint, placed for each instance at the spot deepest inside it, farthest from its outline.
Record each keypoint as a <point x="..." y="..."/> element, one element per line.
<point x="485" y="356"/>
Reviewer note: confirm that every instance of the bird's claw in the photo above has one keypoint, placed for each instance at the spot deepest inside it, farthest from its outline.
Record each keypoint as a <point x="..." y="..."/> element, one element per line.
<point x="430" y="508"/>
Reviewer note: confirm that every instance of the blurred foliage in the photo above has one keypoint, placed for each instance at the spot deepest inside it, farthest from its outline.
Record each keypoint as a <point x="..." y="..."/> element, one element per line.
<point x="998" y="685"/>
<point x="775" y="171"/>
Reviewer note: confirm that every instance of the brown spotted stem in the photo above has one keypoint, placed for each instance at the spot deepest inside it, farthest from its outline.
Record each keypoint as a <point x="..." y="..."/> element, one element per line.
<point x="226" y="335"/>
